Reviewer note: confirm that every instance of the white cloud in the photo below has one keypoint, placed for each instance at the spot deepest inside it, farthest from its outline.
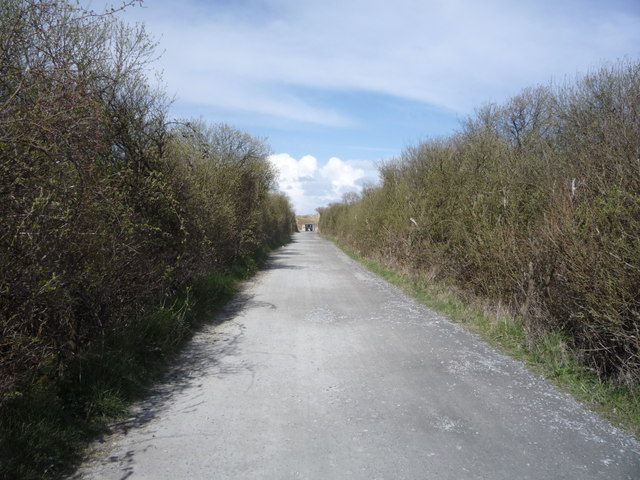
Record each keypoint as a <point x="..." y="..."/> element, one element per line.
<point x="310" y="186"/>
<point x="291" y="172"/>
<point x="343" y="177"/>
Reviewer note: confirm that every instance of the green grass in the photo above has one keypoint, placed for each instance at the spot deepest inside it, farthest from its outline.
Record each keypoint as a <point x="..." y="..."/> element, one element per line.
<point x="548" y="355"/>
<point x="45" y="429"/>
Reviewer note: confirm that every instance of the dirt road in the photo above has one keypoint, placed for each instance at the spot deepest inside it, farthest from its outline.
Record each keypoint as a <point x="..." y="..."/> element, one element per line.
<point x="323" y="371"/>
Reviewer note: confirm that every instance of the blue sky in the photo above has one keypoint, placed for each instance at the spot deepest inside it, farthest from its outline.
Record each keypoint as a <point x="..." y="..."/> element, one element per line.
<point x="336" y="86"/>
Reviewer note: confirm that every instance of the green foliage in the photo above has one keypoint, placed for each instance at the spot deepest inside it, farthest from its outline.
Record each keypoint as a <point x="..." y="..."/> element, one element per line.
<point x="28" y="441"/>
<point x="109" y="213"/>
<point x="534" y="204"/>
<point x="44" y="428"/>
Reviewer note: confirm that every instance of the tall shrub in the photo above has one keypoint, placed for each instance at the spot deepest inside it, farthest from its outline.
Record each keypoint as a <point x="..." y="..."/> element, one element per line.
<point x="534" y="203"/>
<point x="107" y="208"/>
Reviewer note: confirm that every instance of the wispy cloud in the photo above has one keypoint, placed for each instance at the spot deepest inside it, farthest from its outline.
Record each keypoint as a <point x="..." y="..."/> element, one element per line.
<point x="247" y="55"/>
<point x="321" y="77"/>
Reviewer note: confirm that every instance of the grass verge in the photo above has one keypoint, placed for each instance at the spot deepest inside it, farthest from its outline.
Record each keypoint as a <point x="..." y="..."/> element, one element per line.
<point x="548" y="355"/>
<point x="45" y="429"/>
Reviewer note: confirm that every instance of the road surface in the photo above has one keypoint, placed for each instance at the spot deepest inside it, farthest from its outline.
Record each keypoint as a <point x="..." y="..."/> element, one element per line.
<point x="321" y="370"/>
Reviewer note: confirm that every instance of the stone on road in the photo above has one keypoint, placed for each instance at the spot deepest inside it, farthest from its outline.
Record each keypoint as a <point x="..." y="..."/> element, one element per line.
<point x="321" y="370"/>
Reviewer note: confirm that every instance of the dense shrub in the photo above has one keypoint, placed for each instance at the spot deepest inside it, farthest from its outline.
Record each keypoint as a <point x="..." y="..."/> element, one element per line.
<point x="107" y="208"/>
<point x="534" y="203"/>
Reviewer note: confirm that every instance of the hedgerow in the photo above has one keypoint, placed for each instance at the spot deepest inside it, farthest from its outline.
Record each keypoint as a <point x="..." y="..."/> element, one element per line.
<point x="110" y="210"/>
<point x="534" y="204"/>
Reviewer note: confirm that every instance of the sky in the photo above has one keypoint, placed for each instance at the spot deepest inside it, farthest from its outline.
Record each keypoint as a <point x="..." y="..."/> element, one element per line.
<point x="335" y="87"/>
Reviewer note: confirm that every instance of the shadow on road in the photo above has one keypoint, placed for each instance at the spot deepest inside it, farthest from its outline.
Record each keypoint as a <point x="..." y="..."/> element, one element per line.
<point x="278" y="261"/>
<point x="282" y="266"/>
<point x="202" y="355"/>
